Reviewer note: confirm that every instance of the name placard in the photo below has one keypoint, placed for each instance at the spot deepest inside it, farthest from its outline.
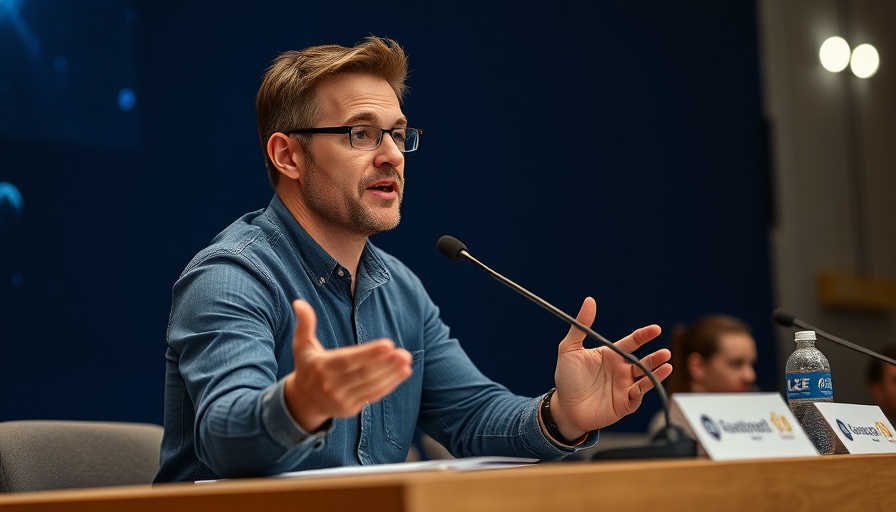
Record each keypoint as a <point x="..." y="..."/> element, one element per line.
<point x="736" y="426"/>
<point x="859" y="428"/>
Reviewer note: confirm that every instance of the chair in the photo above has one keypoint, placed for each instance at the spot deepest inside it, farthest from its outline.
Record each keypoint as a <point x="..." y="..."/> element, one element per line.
<point x="40" y="455"/>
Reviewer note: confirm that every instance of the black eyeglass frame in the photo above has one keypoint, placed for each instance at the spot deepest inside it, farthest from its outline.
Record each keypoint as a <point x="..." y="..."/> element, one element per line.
<point x="347" y="130"/>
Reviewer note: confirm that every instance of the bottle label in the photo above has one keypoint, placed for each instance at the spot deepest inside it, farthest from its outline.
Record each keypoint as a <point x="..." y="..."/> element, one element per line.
<point x="809" y="386"/>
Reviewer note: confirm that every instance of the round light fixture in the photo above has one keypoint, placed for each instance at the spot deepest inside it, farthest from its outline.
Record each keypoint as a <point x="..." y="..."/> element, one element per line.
<point x="865" y="61"/>
<point x="834" y="54"/>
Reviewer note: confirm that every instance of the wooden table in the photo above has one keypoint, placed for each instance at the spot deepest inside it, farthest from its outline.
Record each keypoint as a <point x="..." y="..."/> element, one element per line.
<point x="836" y="483"/>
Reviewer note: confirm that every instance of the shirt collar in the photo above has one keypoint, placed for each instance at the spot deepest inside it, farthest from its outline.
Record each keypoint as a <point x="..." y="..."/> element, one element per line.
<point x="372" y="271"/>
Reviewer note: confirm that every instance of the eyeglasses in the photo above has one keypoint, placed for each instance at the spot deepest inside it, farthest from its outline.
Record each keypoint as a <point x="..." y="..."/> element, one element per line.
<point x="368" y="138"/>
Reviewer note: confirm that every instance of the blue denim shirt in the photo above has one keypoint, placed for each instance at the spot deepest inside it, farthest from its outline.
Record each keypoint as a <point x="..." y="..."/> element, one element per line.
<point x="230" y="347"/>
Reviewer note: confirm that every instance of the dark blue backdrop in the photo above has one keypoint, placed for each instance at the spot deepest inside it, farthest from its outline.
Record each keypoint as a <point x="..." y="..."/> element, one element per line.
<point x="612" y="149"/>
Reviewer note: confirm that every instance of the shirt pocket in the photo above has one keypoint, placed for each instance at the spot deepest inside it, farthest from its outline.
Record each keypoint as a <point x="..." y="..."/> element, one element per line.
<point x="402" y="406"/>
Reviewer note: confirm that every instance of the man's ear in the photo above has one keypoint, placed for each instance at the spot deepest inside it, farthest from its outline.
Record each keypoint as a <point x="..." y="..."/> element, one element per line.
<point x="287" y="155"/>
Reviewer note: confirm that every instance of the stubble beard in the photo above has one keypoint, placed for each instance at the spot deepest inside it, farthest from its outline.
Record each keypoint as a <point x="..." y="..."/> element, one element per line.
<point x="350" y="213"/>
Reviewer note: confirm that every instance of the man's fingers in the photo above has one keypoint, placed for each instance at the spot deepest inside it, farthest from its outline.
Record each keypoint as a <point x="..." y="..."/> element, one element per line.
<point x="349" y="391"/>
<point x="375" y="388"/>
<point x="653" y="360"/>
<point x="337" y="383"/>
<point x="575" y="336"/>
<point x="306" y="325"/>
<point x="644" y="384"/>
<point x="358" y="365"/>
<point x="345" y="360"/>
<point x="641" y="336"/>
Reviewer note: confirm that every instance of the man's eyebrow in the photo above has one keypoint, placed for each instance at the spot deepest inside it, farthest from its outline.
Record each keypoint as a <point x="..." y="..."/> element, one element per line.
<point x="369" y="117"/>
<point x="360" y="116"/>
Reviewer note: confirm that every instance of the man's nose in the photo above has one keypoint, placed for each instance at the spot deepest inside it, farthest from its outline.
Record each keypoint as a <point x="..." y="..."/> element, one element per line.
<point x="388" y="152"/>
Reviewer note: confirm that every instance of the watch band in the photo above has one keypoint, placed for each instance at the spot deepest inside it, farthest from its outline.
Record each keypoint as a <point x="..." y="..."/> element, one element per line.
<point x="551" y="426"/>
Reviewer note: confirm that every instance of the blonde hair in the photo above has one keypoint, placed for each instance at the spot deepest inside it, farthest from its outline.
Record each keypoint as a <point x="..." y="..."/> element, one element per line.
<point x="286" y="99"/>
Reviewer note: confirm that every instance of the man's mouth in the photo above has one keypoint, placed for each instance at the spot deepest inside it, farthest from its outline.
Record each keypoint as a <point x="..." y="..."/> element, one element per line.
<point x="383" y="186"/>
<point x="385" y="189"/>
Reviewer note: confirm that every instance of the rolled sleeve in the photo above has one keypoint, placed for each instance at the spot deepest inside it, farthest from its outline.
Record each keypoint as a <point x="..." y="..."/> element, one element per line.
<point x="540" y="444"/>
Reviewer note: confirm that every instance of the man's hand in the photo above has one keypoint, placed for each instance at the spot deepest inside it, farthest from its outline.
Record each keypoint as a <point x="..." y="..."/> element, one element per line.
<point x="596" y="386"/>
<point x="337" y="383"/>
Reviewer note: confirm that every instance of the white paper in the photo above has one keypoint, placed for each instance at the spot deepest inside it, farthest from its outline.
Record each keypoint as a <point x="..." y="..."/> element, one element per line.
<point x="462" y="464"/>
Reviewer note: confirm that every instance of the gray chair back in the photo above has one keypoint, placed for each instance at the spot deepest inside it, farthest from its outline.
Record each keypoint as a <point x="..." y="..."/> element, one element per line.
<point x="39" y="455"/>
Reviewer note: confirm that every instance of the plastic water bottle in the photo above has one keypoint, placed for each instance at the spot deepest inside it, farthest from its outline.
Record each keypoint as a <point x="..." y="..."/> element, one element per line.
<point x="809" y="381"/>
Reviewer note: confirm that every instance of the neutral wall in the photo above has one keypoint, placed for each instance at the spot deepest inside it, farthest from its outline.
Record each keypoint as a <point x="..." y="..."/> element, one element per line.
<point x="834" y="179"/>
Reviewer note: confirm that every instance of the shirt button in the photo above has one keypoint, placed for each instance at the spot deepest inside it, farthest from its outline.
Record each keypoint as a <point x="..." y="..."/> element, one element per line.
<point x="322" y="280"/>
<point x="340" y="272"/>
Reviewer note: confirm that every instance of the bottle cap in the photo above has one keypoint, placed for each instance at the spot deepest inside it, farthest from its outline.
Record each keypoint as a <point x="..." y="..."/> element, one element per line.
<point x="804" y="336"/>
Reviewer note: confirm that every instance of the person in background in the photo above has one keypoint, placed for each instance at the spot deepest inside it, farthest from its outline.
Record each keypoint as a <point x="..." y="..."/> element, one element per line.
<point x="714" y="354"/>
<point x="295" y="343"/>
<point x="882" y="383"/>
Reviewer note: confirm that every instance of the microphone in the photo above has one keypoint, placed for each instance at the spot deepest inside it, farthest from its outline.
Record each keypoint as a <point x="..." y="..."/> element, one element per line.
<point x="669" y="442"/>
<point x="785" y="319"/>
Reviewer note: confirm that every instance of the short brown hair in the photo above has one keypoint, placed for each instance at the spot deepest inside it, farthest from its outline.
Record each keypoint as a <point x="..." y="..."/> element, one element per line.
<point x="287" y="97"/>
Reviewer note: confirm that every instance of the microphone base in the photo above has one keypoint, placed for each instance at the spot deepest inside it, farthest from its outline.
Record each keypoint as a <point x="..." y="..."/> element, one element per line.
<point x="669" y="443"/>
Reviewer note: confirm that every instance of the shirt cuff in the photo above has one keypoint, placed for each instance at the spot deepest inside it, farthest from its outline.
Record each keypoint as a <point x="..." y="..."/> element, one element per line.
<point x="280" y="424"/>
<point x="543" y="444"/>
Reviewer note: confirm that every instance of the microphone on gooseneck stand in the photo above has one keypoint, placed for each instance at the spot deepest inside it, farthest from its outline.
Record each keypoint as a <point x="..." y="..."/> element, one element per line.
<point x="785" y="319"/>
<point x="670" y="442"/>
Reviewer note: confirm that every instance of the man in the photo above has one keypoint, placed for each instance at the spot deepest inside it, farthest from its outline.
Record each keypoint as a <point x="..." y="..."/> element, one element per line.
<point x="882" y="383"/>
<point x="294" y="343"/>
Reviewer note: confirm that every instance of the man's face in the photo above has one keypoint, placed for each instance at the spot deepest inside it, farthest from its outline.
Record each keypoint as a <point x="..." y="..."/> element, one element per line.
<point x="350" y="191"/>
